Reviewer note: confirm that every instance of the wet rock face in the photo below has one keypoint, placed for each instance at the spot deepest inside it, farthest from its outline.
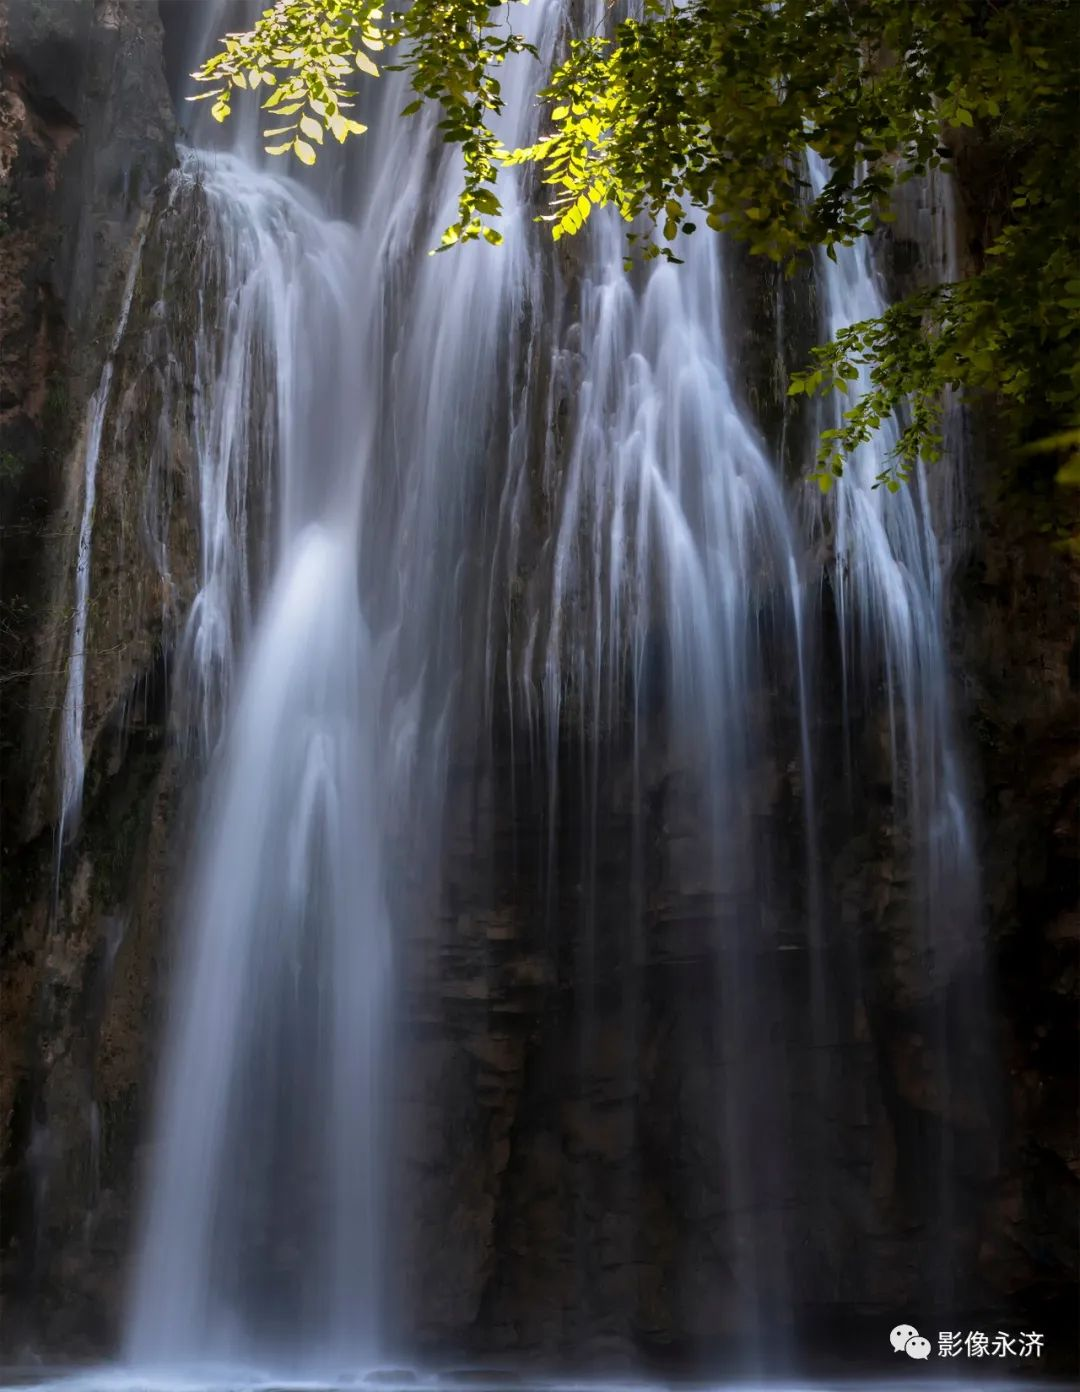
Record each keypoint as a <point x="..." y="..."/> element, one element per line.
<point x="1016" y="655"/>
<point x="1018" y="648"/>
<point x="565" y="1188"/>
<point x="86" y="135"/>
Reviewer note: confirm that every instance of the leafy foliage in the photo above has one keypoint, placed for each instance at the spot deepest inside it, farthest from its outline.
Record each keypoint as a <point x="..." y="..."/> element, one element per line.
<point x="309" y="51"/>
<point x="705" y="110"/>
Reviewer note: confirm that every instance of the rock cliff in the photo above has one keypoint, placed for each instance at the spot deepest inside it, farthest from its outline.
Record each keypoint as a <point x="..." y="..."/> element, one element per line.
<point x="86" y="138"/>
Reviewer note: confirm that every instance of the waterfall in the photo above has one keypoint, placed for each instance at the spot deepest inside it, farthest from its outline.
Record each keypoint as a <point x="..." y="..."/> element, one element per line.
<point x="333" y="406"/>
<point x="272" y="1073"/>
<point x="889" y="578"/>
<point x="672" y="548"/>
<point x="438" y="491"/>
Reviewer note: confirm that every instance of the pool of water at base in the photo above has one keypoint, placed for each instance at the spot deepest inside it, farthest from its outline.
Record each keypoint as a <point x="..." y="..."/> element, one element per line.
<point x="490" y="1379"/>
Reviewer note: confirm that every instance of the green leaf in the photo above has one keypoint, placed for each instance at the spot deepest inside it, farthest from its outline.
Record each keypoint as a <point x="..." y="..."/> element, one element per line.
<point x="1069" y="473"/>
<point x="707" y="106"/>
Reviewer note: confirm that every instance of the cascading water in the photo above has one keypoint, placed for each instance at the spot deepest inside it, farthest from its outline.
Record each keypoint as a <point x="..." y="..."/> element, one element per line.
<point x="271" y="1097"/>
<point x="311" y="352"/>
<point x="889" y="576"/>
<point x="672" y="549"/>
<point x="888" y="581"/>
<point x="379" y="423"/>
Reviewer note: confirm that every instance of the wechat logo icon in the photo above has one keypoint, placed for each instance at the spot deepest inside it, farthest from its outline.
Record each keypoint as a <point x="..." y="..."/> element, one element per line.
<point x="905" y="1338"/>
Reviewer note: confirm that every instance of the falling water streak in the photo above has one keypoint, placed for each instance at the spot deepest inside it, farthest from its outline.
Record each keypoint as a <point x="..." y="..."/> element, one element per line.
<point x="951" y="859"/>
<point x="267" y="868"/>
<point x="301" y="300"/>
<point x="822" y="1001"/>
<point x="812" y="850"/>
<point x="440" y="433"/>
<point x="72" y="753"/>
<point x="257" y="261"/>
<point x="669" y="518"/>
<point x="306" y="716"/>
<point x="93" y="1130"/>
<point x="889" y="580"/>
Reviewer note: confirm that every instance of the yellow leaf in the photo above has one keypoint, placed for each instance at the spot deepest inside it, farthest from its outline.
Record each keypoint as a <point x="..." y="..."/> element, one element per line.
<point x="312" y="129"/>
<point x="303" y="152"/>
<point x="364" y="63"/>
<point x="342" y="126"/>
<point x="279" y="149"/>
